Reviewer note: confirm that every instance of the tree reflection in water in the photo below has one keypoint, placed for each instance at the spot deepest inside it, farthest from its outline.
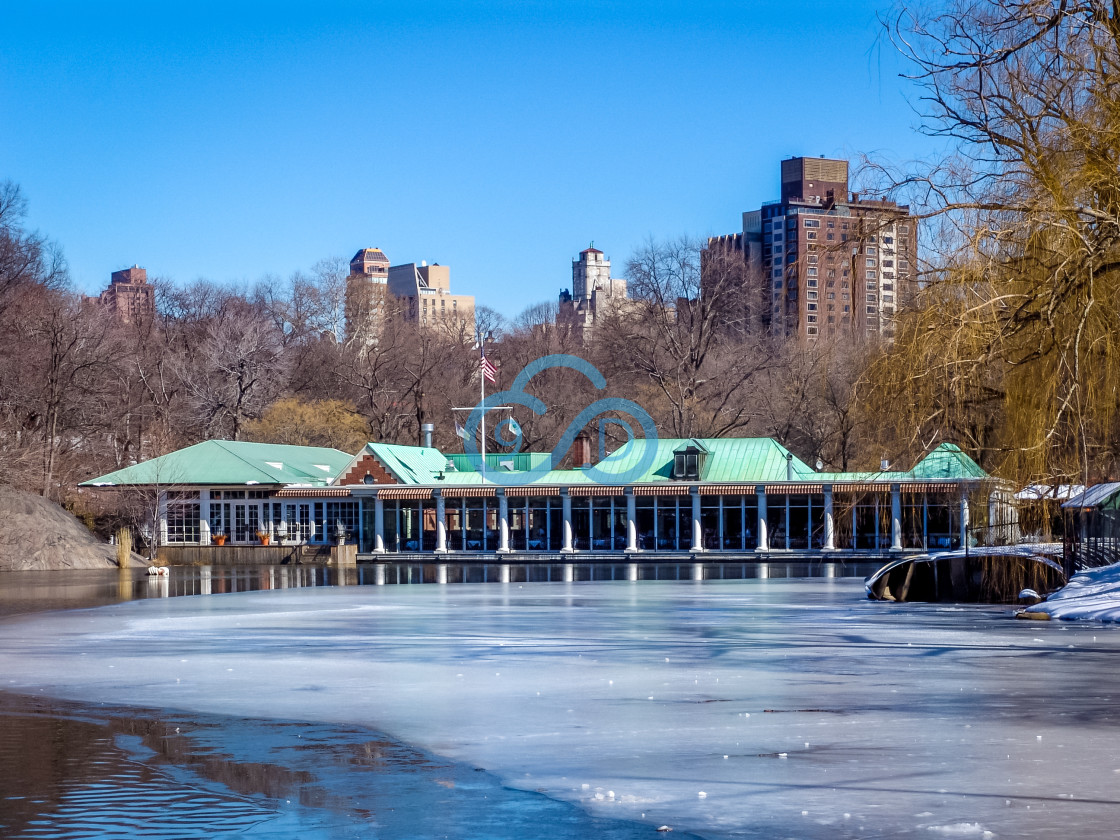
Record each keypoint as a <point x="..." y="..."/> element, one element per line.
<point x="70" y="771"/>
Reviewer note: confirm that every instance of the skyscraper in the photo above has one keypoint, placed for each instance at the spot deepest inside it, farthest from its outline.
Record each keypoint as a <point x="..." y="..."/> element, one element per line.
<point x="424" y="294"/>
<point x="820" y="261"/>
<point x="594" y="292"/>
<point x="367" y="295"/>
<point x="129" y="297"/>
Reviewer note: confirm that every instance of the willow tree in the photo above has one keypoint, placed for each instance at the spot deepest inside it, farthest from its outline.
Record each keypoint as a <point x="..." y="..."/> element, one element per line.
<point x="1016" y="344"/>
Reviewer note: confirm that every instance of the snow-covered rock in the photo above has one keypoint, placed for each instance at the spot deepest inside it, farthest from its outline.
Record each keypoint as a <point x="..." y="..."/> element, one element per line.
<point x="1091" y="595"/>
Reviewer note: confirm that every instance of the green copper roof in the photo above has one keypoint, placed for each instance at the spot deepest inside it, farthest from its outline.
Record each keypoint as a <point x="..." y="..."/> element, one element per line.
<point x="410" y="464"/>
<point x="725" y="460"/>
<point x="947" y="461"/>
<point x="217" y="462"/>
<point x="728" y="460"/>
<point x="495" y="461"/>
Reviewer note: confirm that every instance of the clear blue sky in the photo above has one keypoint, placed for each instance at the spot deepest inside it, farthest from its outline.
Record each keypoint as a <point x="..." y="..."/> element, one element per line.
<point x="231" y="140"/>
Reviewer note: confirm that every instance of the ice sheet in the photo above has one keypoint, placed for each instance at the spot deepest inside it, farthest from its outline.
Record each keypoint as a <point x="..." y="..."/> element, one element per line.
<point x="750" y="708"/>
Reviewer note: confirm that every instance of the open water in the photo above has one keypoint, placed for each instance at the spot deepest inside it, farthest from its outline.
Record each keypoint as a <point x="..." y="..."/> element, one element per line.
<point x="746" y="707"/>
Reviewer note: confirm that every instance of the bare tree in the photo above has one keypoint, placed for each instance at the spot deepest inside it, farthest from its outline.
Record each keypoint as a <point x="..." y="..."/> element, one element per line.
<point x="26" y="258"/>
<point x="674" y="340"/>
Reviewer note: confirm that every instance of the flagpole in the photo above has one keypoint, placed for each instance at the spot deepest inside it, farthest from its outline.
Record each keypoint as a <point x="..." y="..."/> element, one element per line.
<point x="482" y="391"/>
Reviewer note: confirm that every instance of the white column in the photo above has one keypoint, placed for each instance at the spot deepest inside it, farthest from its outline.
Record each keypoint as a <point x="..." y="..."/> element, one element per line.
<point x="964" y="521"/>
<point x="896" y="518"/>
<point x="631" y="523"/>
<point x="204" y="517"/>
<point x="503" y="523"/>
<point x="441" y="525"/>
<point x="697" y="534"/>
<point x="829" y="523"/>
<point x="763" y="537"/>
<point x="378" y="526"/>
<point x="566" y="504"/>
<point x="161" y="517"/>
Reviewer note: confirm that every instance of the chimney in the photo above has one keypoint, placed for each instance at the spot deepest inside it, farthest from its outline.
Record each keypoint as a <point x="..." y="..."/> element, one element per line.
<point x="427" y="429"/>
<point x="581" y="450"/>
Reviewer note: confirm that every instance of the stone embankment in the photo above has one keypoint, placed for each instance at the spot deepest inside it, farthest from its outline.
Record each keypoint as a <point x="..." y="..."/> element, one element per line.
<point x="35" y="533"/>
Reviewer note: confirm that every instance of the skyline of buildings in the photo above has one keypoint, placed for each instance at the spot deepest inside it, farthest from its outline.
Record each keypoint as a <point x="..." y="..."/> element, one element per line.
<point x="819" y="261"/>
<point x="420" y="293"/>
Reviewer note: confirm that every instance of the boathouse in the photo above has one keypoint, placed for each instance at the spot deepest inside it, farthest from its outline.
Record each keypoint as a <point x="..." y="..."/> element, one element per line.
<point x="669" y="496"/>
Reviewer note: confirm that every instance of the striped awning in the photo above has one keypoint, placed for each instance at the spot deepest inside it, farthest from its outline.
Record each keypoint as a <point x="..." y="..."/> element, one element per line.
<point x="405" y="493"/>
<point x="464" y="492"/>
<point x="661" y="489"/>
<point x="311" y="492"/>
<point x="860" y="487"/>
<point x="728" y="489"/>
<point x="596" y="490"/>
<point x="933" y="487"/>
<point x="791" y="487"/>
<point x="532" y="490"/>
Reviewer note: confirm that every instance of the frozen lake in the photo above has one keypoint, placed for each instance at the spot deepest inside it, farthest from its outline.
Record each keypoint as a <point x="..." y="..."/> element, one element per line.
<point x="747" y="708"/>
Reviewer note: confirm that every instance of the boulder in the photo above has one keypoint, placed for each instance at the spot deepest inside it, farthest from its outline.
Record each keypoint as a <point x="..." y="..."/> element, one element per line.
<point x="35" y="533"/>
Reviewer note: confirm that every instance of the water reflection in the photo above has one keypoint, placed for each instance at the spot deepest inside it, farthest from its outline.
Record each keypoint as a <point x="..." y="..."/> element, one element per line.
<point x="22" y="592"/>
<point x="70" y="771"/>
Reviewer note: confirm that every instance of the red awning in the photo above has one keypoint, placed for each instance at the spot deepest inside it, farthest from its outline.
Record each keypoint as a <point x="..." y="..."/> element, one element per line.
<point x="595" y="490"/>
<point x="463" y="492"/>
<point x="405" y="493"/>
<point x="728" y="489"/>
<point x="662" y="489"/>
<point x="311" y="492"/>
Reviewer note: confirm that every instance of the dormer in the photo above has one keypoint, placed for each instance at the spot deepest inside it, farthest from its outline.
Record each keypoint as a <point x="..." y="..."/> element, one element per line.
<point x="689" y="461"/>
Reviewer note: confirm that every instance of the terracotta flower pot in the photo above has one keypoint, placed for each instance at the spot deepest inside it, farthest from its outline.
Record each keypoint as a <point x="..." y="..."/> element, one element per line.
<point x="219" y="539"/>
<point x="264" y="539"/>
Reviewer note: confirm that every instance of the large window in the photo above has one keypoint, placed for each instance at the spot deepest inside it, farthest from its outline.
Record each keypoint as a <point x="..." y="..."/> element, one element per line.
<point x="544" y="521"/>
<point x="342" y="519"/>
<point x="183" y="512"/>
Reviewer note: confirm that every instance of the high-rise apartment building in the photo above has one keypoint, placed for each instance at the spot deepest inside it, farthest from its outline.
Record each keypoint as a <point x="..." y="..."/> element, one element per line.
<point x="129" y="298"/>
<point x="367" y="295"/>
<point x="377" y="291"/>
<point x="822" y="261"/>
<point x="594" y="292"/>
<point x="424" y="294"/>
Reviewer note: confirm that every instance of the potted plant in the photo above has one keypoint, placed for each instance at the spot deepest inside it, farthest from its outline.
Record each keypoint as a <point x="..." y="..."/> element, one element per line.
<point x="219" y="539"/>
<point x="263" y="537"/>
<point x="339" y="532"/>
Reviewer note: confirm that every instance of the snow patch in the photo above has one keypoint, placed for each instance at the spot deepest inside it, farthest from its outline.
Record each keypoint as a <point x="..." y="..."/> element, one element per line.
<point x="962" y="830"/>
<point x="1091" y="595"/>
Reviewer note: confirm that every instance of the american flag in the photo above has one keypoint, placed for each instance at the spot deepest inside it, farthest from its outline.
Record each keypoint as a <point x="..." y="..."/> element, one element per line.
<point x="488" y="370"/>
